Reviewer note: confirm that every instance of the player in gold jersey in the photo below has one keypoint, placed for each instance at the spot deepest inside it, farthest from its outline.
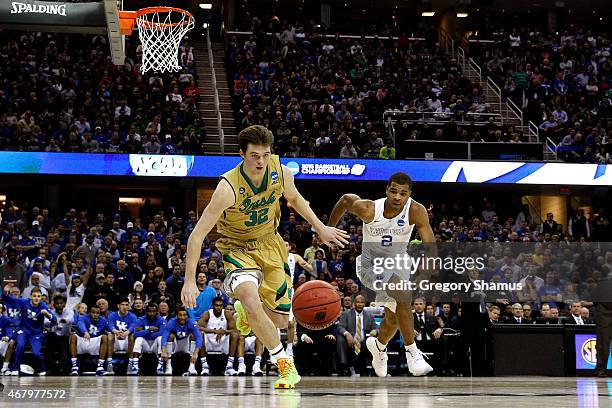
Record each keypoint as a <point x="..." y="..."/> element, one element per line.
<point x="245" y="207"/>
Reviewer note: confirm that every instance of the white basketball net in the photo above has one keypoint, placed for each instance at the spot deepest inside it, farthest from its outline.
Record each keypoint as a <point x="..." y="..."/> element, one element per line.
<point x="160" y="34"/>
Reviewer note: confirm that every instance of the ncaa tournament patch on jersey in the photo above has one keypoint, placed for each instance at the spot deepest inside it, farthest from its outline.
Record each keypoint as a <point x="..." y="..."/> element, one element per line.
<point x="401" y="222"/>
<point x="274" y="177"/>
<point x="242" y="191"/>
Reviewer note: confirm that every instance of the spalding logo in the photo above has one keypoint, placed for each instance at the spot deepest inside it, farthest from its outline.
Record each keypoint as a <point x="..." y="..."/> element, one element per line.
<point x="320" y="315"/>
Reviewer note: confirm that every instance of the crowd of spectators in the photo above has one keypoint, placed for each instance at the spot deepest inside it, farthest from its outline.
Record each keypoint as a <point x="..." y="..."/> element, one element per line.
<point x="106" y="259"/>
<point x="62" y="93"/>
<point x="562" y="81"/>
<point x="325" y="97"/>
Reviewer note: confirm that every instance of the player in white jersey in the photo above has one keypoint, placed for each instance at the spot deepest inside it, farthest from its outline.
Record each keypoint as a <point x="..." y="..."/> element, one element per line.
<point x="389" y="221"/>
<point x="218" y="327"/>
<point x="292" y="261"/>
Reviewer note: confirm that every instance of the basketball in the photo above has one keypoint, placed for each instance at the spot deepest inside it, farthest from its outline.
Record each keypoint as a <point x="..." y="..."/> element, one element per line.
<point x="316" y="305"/>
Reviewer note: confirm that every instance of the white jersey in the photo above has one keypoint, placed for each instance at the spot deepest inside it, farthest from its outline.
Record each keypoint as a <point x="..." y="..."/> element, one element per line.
<point x="216" y="323"/>
<point x="291" y="262"/>
<point x="388" y="231"/>
<point x="384" y="238"/>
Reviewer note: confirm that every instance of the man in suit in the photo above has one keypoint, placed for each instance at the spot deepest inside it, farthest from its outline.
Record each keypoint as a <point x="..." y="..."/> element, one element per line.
<point x="351" y="342"/>
<point x="314" y="351"/>
<point x="549" y="226"/>
<point x="517" y="315"/>
<point x="426" y="327"/>
<point x="585" y="313"/>
<point x="574" y="317"/>
<point x="602" y="296"/>
<point x="427" y="330"/>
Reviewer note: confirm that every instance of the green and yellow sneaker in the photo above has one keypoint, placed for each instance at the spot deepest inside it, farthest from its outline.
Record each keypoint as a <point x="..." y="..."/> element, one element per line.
<point x="242" y="323"/>
<point x="287" y="374"/>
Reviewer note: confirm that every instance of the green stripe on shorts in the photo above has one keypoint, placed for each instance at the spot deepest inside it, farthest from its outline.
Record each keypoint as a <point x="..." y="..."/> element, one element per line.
<point x="231" y="260"/>
<point x="286" y="307"/>
<point x="281" y="291"/>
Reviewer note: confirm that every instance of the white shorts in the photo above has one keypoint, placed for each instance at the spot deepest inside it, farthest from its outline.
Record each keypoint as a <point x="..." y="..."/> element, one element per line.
<point x="121" y="344"/>
<point x="91" y="346"/>
<point x="249" y="343"/>
<point x="210" y="343"/>
<point x="3" y="347"/>
<point x="142" y="345"/>
<point x="239" y="278"/>
<point x="181" y="346"/>
<point x="368" y="279"/>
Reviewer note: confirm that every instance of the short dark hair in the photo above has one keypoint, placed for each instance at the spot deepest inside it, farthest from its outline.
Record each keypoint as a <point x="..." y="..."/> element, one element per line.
<point x="123" y="299"/>
<point x="257" y="135"/>
<point x="181" y="309"/>
<point x="36" y="290"/>
<point x="218" y="299"/>
<point x="401" y="178"/>
<point x="59" y="297"/>
<point x="152" y="306"/>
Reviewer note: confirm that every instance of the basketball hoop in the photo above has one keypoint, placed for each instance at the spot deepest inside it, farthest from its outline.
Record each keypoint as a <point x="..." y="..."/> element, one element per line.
<point x="160" y="30"/>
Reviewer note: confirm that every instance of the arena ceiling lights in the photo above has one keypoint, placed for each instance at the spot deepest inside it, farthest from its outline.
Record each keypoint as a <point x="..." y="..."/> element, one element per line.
<point x="206" y="6"/>
<point x="428" y="13"/>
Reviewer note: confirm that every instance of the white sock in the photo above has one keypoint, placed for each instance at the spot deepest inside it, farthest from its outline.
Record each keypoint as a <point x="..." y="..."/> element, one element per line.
<point x="289" y="347"/>
<point x="278" y="352"/>
<point x="380" y="346"/>
<point x="203" y="361"/>
<point x="258" y="359"/>
<point x="109" y="361"/>
<point x="100" y="362"/>
<point x="6" y="364"/>
<point x="191" y="365"/>
<point x="230" y="362"/>
<point x="135" y="362"/>
<point x="412" y="348"/>
<point x="240" y="360"/>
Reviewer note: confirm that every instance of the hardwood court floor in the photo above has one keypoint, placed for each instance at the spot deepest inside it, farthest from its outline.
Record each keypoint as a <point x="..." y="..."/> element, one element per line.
<point x="320" y="392"/>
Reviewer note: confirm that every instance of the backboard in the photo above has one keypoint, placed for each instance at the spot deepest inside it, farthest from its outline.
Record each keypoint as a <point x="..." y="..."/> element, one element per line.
<point x="116" y="40"/>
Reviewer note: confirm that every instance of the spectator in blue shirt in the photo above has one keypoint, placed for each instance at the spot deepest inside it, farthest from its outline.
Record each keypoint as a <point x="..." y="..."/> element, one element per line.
<point x="148" y="332"/>
<point x="180" y="331"/>
<point x="33" y="313"/>
<point x="90" y="338"/>
<point x="121" y="333"/>
<point x="204" y="299"/>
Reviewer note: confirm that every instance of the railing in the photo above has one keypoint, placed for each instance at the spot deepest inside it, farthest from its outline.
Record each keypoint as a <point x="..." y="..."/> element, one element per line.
<point x="534" y="130"/>
<point x="461" y="57"/>
<point x="513" y="107"/>
<point x="447" y="40"/>
<point x="215" y="93"/>
<point x="349" y="36"/>
<point x="475" y="67"/>
<point x="551" y="146"/>
<point x="392" y="116"/>
<point x="460" y="150"/>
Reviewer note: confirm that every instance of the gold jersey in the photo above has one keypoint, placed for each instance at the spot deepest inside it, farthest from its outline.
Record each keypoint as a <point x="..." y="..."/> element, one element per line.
<point x="256" y="211"/>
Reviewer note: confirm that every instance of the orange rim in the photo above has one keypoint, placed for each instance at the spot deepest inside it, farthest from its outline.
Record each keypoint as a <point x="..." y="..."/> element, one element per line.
<point x="128" y="18"/>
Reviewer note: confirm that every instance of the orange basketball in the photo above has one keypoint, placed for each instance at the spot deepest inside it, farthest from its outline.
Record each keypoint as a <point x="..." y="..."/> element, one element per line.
<point x="316" y="305"/>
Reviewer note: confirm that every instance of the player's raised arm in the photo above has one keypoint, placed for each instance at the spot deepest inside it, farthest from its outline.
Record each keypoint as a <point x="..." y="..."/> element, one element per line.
<point x="223" y="198"/>
<point x="364" y="209"/>
<point x="326" y="234"/>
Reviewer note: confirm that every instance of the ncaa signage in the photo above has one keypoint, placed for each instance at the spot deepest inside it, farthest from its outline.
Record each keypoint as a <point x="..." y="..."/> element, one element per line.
<point x="158" y="165"/>
<point x="55" y="9"/>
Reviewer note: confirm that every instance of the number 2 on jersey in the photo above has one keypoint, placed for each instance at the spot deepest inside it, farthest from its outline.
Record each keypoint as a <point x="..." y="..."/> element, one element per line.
<point x="257" y="217"/>
<point x="386" y="240"/>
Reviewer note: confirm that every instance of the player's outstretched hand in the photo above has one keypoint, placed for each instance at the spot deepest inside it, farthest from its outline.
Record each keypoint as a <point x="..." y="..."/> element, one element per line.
<point x="189" y="295"/>
<point x="328" y="234"/>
